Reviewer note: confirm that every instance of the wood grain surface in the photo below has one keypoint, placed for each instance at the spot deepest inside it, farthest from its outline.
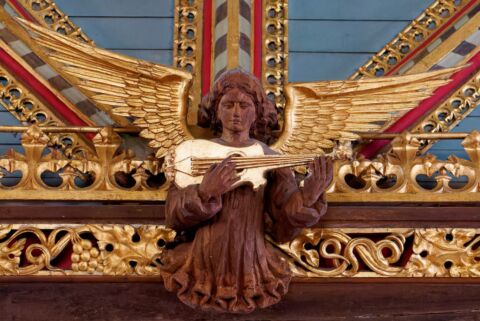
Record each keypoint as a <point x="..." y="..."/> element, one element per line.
<point x="374" y="301"/>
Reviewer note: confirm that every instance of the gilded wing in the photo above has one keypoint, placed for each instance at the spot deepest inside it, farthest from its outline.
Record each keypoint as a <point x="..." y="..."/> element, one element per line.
<point x="155" y="95"/>
<point x="318" y="113"/>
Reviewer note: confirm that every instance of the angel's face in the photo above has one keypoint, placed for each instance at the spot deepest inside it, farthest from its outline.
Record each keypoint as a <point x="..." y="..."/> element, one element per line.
<point x="236" y="111"/>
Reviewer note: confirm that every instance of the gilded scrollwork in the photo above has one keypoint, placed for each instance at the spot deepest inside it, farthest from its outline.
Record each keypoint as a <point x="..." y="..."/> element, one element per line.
<point x="416" y="33"/>
<point x="9" y="252"/>
<point x="136" y="250"/>
<point x="334" y="253"/>
<point x="96" y="249"/>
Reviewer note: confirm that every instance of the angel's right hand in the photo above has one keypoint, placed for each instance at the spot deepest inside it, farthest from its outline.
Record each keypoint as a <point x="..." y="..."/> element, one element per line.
<point x="218" y="180"/>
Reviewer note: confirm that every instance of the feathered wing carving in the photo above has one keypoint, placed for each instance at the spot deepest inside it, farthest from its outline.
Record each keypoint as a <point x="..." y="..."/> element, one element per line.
<point x="317" y="113"/>
<point x="154" y="94"/>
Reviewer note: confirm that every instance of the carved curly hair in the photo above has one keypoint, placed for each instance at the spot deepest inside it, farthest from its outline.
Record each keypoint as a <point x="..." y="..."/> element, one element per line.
<point x="266" y="113"/>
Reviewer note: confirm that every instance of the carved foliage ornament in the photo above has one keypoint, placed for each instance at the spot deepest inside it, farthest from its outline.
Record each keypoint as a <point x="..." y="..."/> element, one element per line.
<point x="137" y="251"/>
<point x="114" y="174"/>
<point x="106" y="170"/>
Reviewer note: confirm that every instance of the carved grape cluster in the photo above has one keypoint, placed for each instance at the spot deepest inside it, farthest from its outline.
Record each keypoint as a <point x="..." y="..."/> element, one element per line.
<point x="86" y="257"/>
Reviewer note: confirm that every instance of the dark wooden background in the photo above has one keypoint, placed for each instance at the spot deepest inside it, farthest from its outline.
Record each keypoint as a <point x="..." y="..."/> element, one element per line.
<point x="371" y="300"/>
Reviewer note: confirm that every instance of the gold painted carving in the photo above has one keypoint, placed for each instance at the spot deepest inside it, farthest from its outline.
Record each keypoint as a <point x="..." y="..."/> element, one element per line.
<point x="126" y="250"/>
<point x="401" y="171"/>
<point x="187" y="48"/>
<point x="48" y="15"/>
<point x="275" y="50"/>
<point x="416" y="33"/>
<point x="451" y="112"/>
<point x="155" y="95"/>
<point x="108" y="174"/>
<point x="437" y="252"/>
<point x="111" y="174"/>
<point x="445" y="252"/>
<point x="335" y="253"/>
<point x="97" y="249"/>
<point x="26" y="108"/>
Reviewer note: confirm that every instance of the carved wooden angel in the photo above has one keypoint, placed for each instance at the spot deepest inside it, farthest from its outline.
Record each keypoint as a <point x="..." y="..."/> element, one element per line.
<point x="224" y="263"/>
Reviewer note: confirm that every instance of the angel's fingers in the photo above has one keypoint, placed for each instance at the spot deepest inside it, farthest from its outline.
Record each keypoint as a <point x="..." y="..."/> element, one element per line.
<point x="234" y="178"/>
<point x="231" y="181"/>
<point x="226" y="163"/>
<point x="228" y="169"/>
<point x="212" y="168"/>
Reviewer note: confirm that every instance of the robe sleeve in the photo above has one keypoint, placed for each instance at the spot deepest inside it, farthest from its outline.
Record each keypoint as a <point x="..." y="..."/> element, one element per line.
<point x="286" y="208"/>
<point x="185" y="208"/>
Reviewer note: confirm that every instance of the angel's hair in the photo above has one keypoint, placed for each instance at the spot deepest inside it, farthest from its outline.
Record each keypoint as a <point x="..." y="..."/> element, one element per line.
<point x="266" y="114"/>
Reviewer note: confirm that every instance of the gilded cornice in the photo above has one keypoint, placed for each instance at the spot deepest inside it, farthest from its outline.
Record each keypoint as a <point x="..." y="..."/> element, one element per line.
<point x="419" y="32"/>
<point x="447" y="115"/>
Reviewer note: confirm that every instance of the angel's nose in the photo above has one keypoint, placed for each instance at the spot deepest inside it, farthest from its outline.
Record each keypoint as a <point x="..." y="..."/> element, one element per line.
<point x="236" y="109"/>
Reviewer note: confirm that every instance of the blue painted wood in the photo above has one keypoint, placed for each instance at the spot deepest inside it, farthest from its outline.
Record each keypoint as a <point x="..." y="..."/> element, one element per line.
<point x="357" y="10"/>
<point x="8" y="140"/>
<point x="468" y="124"/>
<point x="7" y="119"/>
<point x="443" y="154"/>
<point x="444" y="148"/>
<point x="475" y="112"/>
<point x="128" y="33"/>
<point x="341" y="36"/>
<point x="323" y="66"/>
<point x="4" y="148"/>
<point x="125" y="8"/>
<point x="162" y="56"/>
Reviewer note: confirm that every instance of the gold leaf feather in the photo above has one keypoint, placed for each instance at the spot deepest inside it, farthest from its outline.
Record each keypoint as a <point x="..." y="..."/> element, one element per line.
<point x="155" y="94"/>
<point x="341" y="108"/>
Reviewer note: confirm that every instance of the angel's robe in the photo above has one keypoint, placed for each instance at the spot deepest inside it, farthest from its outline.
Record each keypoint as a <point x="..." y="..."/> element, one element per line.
<point x="229" y="266"/>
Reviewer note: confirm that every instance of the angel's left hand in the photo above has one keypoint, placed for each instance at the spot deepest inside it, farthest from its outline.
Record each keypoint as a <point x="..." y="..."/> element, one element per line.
<point x="319" y="178"/>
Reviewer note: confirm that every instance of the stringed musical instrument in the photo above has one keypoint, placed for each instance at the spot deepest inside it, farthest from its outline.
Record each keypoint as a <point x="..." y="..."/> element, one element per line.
<point x="188" y="163"/>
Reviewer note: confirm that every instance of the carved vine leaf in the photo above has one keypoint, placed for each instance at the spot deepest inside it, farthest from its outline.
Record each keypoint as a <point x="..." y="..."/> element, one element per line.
<point x="445" y="252"/>
<point x="9" y="253"/>
<point x="314" y="247"/>
<point x="125" y="250"/>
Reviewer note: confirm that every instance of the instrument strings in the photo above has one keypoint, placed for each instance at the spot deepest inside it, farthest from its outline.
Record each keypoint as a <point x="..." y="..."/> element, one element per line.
<point x="201" y="165"/>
